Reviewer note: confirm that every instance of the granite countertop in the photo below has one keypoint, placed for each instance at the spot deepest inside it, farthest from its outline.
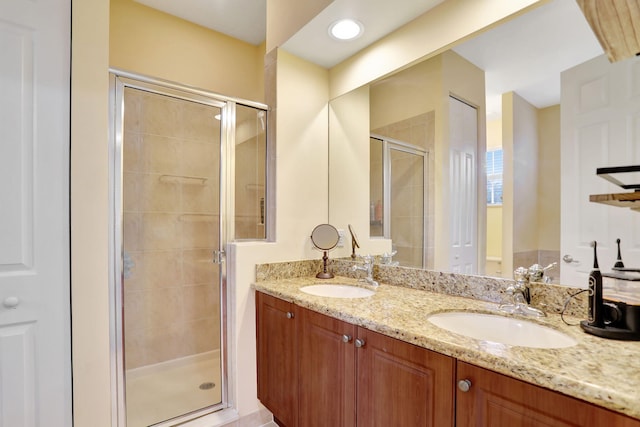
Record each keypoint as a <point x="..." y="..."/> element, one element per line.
<point x="600" y="371"/>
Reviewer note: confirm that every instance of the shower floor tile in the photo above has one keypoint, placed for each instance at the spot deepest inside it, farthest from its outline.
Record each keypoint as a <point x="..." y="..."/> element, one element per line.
<point x="170" y="389"/>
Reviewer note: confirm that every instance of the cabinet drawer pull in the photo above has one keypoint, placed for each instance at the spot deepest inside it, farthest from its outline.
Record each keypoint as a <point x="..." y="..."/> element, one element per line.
<point x="346" y="338"/>
<point x="464" y="385"/>
<point x="359" y="343"/>
<point x="289" y="315"/>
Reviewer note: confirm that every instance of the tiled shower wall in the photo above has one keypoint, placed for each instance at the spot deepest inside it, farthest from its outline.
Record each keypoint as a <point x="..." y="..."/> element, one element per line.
<point x="171" y="211"/>
<point x="250" y="175"/>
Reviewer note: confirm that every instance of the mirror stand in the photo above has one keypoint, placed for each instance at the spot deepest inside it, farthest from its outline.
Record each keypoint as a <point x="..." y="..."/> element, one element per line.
<point x="324" y="274"/>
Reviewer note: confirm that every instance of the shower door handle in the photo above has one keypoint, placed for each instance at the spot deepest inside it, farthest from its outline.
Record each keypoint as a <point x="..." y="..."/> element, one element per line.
<point x="219" y="256"/>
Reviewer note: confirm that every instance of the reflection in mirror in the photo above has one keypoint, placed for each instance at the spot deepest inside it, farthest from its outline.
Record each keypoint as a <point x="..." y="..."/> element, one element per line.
<point x="354" y="242"/>
<point x="325" y="237"/>
<point x="542" y="150"/>
<point x="397" y="184"/>
<point x="406" y="112"/>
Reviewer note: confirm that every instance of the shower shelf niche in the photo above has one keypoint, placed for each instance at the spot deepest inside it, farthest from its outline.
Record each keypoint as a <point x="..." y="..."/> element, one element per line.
<point x="186" y="180"/>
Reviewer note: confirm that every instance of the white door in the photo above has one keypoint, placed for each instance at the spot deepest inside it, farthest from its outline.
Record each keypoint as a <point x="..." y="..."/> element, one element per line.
<point x="35" y="355"/>
<point x="600" y="125"/>
<point x="463" y="146"/>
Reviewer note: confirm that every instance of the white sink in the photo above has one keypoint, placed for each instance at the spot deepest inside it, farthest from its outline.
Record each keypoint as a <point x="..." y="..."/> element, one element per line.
<point x="501" y="329"/>
<point x="337" y="291"/>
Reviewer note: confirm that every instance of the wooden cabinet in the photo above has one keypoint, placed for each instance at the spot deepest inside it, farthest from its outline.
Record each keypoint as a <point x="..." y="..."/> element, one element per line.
<point x="327" y="377"/>
<point x="352" y="376"/>
<point x="400" y="384"/>
<point x="346" y="375"/>
<point x="497" y="400"/>
<point x="277" y="354"/>
<point x="316" y="371"/>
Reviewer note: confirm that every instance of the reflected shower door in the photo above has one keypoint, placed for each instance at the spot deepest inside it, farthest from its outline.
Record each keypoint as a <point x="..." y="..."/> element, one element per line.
<point x="170" y="228"/>
<point x="407" y="205"/>
<point x="398" y="198"/>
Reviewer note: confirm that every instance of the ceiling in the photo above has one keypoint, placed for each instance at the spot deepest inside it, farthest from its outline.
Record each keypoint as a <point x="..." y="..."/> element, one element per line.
<point x="527" y="54"/>
<point x="242" y="19"/>
<point x="524" y="55"/>
<point x="378" y="17"/>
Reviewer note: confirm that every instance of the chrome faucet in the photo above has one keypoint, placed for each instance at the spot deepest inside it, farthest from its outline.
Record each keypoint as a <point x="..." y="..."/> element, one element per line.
<point x="387" y="258"/>
<point x="368" y="267"/>
<point x="537" y="273"/>
<point x="520" y="296"/>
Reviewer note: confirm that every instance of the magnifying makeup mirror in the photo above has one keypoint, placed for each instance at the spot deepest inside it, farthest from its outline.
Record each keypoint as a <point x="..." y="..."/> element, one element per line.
<point x="354" y="242"/>
<point x="325" y="237"/>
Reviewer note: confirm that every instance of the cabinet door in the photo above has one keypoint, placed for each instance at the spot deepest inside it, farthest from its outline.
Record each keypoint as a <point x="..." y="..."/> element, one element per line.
<point x="497" y="400"/>
<point x="277" y="358"/>
<point x="400" y="384"/>
<point x="327" y="371"/>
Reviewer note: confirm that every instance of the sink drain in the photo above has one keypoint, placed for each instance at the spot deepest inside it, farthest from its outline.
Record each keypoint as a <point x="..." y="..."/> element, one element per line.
<point x="207" y="386"/>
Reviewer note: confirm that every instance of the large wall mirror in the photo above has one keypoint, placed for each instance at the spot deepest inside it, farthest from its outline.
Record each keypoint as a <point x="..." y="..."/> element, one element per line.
<point x="459" y="165"/>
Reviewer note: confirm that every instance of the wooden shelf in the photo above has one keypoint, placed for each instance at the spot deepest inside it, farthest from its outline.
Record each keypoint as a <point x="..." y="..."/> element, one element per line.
<point x="623" y="200"/>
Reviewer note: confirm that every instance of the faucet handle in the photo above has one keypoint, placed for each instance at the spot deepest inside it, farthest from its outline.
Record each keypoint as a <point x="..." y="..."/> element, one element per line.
<point x="368" y="259"/>
<point x="521" y="274"/>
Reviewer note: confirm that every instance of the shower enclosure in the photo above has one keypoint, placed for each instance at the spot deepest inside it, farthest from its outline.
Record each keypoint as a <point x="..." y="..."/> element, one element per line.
<point x="398" y="190"/>
<point x="174" y="175"/>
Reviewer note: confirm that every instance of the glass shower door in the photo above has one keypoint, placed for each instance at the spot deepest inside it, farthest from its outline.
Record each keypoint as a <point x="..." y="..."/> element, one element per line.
<point x="171" y="286"/>
<point x="407" y="204"/>
<point x="398" y="198"/>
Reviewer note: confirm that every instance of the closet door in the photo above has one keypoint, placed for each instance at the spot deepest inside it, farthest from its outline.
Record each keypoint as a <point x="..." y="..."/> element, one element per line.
<point x="35" y="343"/>
<point x="463" y="134"/>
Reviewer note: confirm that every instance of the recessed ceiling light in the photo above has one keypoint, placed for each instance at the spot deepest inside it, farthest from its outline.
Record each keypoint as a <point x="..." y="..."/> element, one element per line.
<point x="346" y="29"/>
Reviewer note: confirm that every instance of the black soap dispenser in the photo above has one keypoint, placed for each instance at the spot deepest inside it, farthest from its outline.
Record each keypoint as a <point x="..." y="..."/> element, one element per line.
<point x="596" y="307"/>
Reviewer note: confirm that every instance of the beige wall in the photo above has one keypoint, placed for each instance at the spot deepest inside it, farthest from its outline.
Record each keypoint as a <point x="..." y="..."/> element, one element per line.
<point x="549" y="178"/>
<point x="494" y="232"/>
<point x="408" y="93"/>
<point x="146" y="41"/>
<point x="90" y="214"/>
<point x="520" y="190"/>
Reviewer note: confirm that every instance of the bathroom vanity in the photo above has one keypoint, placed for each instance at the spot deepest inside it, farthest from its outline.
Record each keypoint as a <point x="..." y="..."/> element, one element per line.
<point x="379" y="361"/>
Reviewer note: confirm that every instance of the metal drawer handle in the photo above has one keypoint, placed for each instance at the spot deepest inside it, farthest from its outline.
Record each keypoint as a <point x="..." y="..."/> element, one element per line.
<point x="464" y="385"/>
<point x="359" y="343"/>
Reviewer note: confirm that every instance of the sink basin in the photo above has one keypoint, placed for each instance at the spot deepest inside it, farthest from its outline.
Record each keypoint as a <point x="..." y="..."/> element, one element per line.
<point x="337" y="291"/>
<point x="501" y="329"/>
